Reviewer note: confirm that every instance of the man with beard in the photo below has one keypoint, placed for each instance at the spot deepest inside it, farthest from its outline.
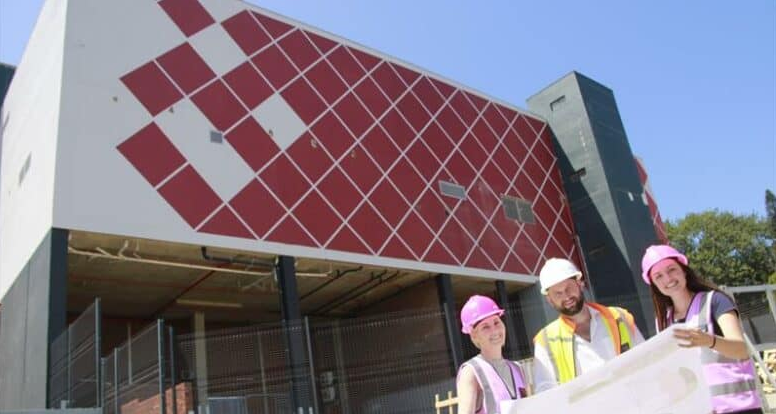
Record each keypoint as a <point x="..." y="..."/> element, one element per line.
<point x="585" y="335"/>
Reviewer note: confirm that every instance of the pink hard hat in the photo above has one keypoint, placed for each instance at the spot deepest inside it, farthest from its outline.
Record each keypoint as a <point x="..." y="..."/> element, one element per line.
<point x="477" y="308"/>
<point x="657" y="253"/>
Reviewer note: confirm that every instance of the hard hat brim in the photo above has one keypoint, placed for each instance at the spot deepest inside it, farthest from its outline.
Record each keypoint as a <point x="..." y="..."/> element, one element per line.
<point x="468" y="328"/>
<point x="576" y="275"/>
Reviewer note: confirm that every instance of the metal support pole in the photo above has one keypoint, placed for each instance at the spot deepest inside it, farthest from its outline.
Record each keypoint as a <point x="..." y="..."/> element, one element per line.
<point x="116" y="381"/>
<point x="69" y="364"/>
<point x="160" y="361"/>
<point x="264" y="396"/>
<point x="453" y="333"/>
<point x="97" y="349"/>
<point x="312" y="365"/>
<point x="171" y="331"/>
<point x="342" y="379"/>
<point x="291" y="314"/>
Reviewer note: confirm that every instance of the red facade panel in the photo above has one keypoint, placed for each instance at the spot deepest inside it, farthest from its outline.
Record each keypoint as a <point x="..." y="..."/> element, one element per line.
<point x="363" y="174"/>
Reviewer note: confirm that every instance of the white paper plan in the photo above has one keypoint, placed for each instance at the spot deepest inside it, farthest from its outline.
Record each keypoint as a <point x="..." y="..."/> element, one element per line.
<point x="655" y="377"/>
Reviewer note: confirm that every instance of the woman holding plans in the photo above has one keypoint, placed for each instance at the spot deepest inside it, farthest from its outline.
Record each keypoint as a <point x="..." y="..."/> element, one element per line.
<point x="680" y="295"/>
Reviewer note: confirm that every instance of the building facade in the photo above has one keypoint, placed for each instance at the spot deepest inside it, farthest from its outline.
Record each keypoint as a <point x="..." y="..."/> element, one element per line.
<point x="221" y="166"/>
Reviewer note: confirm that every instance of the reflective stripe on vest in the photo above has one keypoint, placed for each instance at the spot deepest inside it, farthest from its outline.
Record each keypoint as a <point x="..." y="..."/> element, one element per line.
<point x="732" y="382"/>
<point x="494" y="389"/>
<point x="557" y="338"/>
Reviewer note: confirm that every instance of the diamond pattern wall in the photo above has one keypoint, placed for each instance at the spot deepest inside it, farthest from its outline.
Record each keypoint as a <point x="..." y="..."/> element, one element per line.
<point x="346" y="149"/>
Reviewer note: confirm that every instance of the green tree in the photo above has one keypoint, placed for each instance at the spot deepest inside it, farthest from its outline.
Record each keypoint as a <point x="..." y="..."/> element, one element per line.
<point x="770" y="211"/>
<point x="730" y="249"/>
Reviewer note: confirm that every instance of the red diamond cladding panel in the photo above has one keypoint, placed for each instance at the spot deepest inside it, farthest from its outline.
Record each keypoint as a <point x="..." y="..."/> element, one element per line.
<point x="317" y="217"/>
<point x="299" y="49"/>
<point x="151" y="87"/>
<point x="248" y="35"/>
<point x="310" y="156"/>
<point x="274" y="27"/>
<point x="225" y="223"/>
<point x="249" y="86"/>
<point x="336" y="188"/>
<point x="246" y="203"/>
<point x="253" y="144"/>
<point x="285" y="181"/>
<point x="428" y="131"/>
<point x="275" y="67"/>
<point x="388" y="202"/>
<point x="382" y="148"/>
<point x="303" y="99"/>
<point x="345" y="240"/>
<point x="189" y="194"/>
<point x="219" y="105"/>
<point x="326" y="81"/>
<point x="186" y="68"/>
<point x="360" y="168"/>
<point x="188" y="15"/>
<point x="415" y="233"/>
<point x="152" y="153"/>
<point x="346" y="65"/>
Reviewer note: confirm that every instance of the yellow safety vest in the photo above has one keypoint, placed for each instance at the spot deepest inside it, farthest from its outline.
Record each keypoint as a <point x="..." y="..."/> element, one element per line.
<point x="558" y="339"/>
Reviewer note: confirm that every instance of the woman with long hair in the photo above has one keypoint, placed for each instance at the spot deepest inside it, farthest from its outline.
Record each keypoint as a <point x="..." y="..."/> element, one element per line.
<point x="680" y="295"/>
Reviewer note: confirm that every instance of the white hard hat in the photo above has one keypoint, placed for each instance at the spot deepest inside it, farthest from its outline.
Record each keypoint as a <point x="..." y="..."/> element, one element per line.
<point x="555" y="271"/>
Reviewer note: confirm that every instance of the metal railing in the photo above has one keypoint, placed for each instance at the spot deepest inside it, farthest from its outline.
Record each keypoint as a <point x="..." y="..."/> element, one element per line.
<point x="74" y="375"/>
<point x="134" y="374"/>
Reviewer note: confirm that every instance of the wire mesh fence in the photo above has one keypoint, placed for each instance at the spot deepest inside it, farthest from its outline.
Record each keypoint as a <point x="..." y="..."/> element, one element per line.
<point x="757" y="309"/>
<point x="74" y="362"/>
<point x="387" y="363"/>
<point x="134" y="373"/>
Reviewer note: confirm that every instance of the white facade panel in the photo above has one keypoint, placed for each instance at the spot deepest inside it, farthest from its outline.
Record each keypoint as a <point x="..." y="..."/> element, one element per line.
<point x="31" y="122"/>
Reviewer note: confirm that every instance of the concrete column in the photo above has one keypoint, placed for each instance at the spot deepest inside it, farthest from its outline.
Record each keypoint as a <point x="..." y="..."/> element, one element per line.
<point x="200" y="359"/>
<point x="302" y="392"/>
<point x="452" y="328"/>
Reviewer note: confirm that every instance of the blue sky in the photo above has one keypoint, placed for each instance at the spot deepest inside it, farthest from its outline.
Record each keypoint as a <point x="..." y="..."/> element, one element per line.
<point x="695" y="82"/>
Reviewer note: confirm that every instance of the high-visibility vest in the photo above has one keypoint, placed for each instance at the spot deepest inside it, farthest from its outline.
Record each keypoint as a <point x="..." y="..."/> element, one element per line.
<point x="732" y="382"/>
<point x="558" y="339"/>
<point x="494" y="390"/>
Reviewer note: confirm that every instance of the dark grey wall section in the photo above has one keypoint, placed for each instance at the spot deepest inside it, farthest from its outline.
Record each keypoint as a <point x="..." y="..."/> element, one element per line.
<point x="34" y="314"/>
<point x="6" y="75"/>
<point x="611" y="218"/>
<point x="536" y="312"/>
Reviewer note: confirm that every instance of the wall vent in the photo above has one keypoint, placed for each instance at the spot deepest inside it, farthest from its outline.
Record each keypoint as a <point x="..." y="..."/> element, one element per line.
<point x="518" y="209"/>
<point x="452" y="190"/>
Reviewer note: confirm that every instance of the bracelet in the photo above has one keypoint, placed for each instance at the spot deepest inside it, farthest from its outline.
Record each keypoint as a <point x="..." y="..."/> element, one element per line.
<point x="713" y="341"/>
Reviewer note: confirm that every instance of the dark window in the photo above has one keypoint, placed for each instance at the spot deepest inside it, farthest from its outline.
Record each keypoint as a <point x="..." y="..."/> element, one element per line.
<point x="558" y="102"/>
<point x="518" y="209"/>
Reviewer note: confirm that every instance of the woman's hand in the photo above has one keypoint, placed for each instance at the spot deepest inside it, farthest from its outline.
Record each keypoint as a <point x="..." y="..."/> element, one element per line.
<point x="730" y="343"/>
<point x="689" y="338"/>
